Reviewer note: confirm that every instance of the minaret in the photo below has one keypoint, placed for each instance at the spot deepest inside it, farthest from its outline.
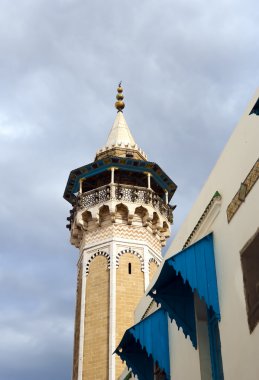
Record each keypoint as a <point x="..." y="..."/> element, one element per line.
<point x="119" y="221"/>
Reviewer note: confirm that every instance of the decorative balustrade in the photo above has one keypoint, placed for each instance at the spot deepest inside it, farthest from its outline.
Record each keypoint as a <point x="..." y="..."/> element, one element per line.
<point x="94" y="197"/>
<point x="127" y="193"/>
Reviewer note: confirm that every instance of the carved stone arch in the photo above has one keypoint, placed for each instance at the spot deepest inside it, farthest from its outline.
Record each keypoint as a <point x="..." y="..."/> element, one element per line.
<point x="153" y="260"/>
<point x="153" y="266"/>
<point x="88" y="220"/>
<point x="97" y="253"/>
<point x="141" y="215"/>
<point x="156" y="222"/>
<point x="122" y="212"/>
<point x="87" y="216"/>
<point x="155" y="217"/>
<point x="165" y="230"/>
<point x="104" y="215"/>
<point x="165" y="226"/>
<point x="129" y="250"/>
<point x="141" y="211"/>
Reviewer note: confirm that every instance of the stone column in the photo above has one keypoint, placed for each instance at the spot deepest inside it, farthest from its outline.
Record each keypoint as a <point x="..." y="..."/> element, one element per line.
<point x="166" y="196"/>
<point x="148" y="180"/>
<point x="112" y="175"/>
<point x="81" y="185"/>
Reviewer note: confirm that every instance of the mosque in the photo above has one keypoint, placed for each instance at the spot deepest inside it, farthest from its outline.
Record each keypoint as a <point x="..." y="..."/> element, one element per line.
<point x="193" y="314"/>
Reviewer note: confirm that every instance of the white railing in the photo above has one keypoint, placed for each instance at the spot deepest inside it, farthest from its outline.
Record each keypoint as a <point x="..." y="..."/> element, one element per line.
<point x="127" y="193"/>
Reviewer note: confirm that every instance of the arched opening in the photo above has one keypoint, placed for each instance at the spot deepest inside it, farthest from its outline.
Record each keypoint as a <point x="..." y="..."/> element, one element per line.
<point x="140" y="215"/>
<point x="87" y="216"/>
<point x="127" y="177"/>
<point x="166" y="230"/>
<point x="155" y="221"/>
<point x="122" y="213"/>
<point x="88" y="220"/>
<point x="104" y="215"/>
<point x="96" y="181"/>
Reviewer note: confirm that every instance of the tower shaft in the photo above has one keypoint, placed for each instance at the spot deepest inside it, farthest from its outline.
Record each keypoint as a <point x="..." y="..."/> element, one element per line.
<point x="120" y="221"/>
<point x="114" y="269"/>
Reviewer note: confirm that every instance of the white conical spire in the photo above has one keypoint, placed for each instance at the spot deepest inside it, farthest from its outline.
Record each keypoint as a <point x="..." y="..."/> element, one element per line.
<point x="120" y="136"/>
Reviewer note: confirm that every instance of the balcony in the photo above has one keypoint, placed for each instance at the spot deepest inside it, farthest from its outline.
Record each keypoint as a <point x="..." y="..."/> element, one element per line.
<point x="128" y="194"/>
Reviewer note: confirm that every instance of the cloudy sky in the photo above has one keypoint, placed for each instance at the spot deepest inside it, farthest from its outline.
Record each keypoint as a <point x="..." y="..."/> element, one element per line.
<point x="188" y="68"/>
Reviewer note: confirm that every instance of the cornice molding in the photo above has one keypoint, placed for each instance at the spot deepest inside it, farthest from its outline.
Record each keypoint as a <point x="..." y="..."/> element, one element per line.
<point x="208" y="215"/>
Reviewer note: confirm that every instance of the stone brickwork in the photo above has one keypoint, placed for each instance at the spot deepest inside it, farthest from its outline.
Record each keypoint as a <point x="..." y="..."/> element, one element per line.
<point x="130" y="288"/>
<point x="96" y="327"/>
<point x="120" y="152"/>
<point x="77" y="324"/>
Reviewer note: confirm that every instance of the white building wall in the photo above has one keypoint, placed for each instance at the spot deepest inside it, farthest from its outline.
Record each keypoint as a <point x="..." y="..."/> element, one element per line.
<point x="239" y="347"/>
<point x="184" y="359"/>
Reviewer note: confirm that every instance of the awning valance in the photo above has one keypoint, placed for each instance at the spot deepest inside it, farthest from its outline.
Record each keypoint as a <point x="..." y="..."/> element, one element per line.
<point x="192" y="269"/>
<point x="145" y="344"/>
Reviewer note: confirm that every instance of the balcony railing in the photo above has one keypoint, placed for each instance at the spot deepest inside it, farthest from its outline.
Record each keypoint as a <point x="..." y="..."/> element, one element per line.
<point x="126" y="193"/>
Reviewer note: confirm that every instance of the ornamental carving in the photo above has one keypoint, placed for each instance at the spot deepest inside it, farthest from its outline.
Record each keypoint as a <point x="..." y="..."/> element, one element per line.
<point x="123" y="231"/>
<point x="129" y="250"/>
<point x="132" y="194"/>
<point x="153" y="260"/>
<point x="214" y="200"/>
<point x="92" y="198"/>
<point x="97" y="253"/>
<point x="243" y="191"/>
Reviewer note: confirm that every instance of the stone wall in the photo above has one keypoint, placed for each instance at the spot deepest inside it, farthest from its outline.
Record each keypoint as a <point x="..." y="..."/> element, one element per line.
<point x="130" y="288"/>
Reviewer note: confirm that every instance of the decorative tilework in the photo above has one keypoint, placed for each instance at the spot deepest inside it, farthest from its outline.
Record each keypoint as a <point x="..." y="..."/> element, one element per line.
<point x="133" y="252"/>
<point x="249" y="182"/>
<point x="125" y="232"/>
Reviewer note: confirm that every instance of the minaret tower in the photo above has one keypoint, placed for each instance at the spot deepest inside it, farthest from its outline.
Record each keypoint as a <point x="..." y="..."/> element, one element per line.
<point x="119" y="221"/>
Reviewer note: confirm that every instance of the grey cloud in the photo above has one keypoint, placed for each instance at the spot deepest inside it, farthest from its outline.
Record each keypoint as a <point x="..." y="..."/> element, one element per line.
<point x="188" y="71"/>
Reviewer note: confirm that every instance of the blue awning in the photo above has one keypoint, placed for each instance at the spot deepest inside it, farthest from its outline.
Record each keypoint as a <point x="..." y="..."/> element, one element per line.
<point x="192" y="269"/>
<point x="145" y="344"/>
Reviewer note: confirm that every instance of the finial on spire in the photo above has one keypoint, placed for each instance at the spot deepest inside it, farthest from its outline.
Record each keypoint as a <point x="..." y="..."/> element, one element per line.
<point x="120" y="103"/>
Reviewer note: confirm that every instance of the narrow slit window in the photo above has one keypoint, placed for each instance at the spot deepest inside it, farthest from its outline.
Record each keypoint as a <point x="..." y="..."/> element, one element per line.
<point x="129" y="268"/>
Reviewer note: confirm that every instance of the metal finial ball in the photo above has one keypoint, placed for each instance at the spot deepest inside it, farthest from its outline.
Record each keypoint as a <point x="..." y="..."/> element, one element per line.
<point x="119" y="105"/>
<point x="119" y="97"/>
